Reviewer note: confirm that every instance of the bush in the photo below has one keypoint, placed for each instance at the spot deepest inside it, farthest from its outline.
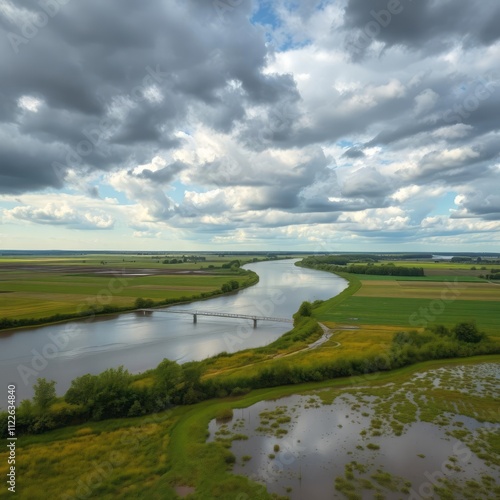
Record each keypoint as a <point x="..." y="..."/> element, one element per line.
<point x="136" y="409"/>
<point x="229" y="458"/>
<point x="224" y="414"/>
<point x="240" y="391"/>
<point x="468" y="332"/>
<point x="305" y="309"/>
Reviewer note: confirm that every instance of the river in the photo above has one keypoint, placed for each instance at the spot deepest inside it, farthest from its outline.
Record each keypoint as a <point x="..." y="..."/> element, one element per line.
<point x="62" y="352"/>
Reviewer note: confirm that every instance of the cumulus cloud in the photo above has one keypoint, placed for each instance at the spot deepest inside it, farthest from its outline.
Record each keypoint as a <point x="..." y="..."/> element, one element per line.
<point x="57" y="214"/>
<point x="344" y="119"/>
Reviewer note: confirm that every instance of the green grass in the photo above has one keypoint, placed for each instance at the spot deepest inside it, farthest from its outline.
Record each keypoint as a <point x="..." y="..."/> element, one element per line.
<point x="41" y="294"/>
<point x="397" y="312"/>
<point x="443" y="265"/>
<point x="157" y="453"/>
<point x="440" y="278"/>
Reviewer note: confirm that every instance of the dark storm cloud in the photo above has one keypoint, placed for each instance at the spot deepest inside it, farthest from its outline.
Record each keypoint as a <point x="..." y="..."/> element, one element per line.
<point x="427" y="25"/>
<point x="481" y="200"/>
<point x="366" y="182"/>
<point x="354" y="152"/>
<point x="25" y="164"/>
<point x="155" y="60"/>
<point x="461" y="99"/>
<point x="164" y="175"/>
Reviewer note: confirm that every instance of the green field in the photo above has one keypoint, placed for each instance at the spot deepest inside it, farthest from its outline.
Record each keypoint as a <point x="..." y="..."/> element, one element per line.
<point x="45" y="286"/>
<point x="393" y="311"/>
<point x="437" y="278"/>
<point x="416" y="302"/>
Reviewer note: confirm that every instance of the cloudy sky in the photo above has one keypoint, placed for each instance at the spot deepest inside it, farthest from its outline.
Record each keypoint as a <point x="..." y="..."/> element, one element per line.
<point x="347" y="125"/>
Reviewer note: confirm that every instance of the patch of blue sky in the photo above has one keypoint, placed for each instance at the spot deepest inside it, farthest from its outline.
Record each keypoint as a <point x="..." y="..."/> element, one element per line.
<point x="107" y="191"/>
<point x="267" y="17"/>
<point x="176" y="191"/>
<point x="443" y="205"/>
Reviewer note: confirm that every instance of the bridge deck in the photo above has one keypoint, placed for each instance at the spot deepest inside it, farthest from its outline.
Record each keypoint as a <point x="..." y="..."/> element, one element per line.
<point x="224" y="315"/>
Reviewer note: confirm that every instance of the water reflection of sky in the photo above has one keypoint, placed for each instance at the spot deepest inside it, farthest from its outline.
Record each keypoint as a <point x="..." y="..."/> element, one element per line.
<point x="322" y="439"/>
<point x="140" y="342"/>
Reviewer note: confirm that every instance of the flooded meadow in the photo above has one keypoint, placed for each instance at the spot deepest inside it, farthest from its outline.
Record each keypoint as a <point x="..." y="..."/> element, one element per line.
<point x="435" y="435"/>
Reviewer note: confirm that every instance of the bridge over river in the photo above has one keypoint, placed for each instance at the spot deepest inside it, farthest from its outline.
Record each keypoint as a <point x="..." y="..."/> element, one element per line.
<point x="195" y="315"/>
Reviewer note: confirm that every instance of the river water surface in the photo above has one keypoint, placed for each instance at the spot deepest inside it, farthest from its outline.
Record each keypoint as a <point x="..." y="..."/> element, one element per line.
<point x="64" y="351"/>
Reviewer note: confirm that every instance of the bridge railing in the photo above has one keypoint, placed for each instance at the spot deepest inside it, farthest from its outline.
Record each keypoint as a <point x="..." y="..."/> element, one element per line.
<point x="223" y="315"/>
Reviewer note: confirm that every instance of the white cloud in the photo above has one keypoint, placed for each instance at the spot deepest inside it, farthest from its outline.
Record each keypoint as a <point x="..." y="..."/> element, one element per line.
<point x="300" y="141"/>
<point x="61" y="214"/>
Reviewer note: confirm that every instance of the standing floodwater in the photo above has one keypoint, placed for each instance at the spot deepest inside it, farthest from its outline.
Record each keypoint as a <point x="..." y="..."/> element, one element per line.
<point x="140" y="342"/>
<point x="403" y="440"/>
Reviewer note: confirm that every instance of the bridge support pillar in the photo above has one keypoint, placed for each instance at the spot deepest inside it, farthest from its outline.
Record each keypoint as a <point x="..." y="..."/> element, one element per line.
<point x="255" y="323"/>
<point x="195" y="318"/>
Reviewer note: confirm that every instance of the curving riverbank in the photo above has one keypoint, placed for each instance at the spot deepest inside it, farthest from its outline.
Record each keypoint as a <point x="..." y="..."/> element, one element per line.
<point x="67" y="350"/>
<point x="9" y="325"/>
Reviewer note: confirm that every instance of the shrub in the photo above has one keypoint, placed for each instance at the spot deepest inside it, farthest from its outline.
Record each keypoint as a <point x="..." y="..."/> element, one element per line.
<point x="224" y="414"/>
<point x="468" y="332"/>
<point x="305" y="309"/>
<point x="240" y="391"/>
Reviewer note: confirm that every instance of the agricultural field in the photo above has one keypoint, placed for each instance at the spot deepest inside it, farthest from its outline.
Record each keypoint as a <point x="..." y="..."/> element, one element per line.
<point x="412" y="313"/>
<point x="447" y="294"/>
<point x="44" y="286"/>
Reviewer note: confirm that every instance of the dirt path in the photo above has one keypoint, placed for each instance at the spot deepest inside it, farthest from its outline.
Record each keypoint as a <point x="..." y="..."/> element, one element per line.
<point x="327" y="333"/>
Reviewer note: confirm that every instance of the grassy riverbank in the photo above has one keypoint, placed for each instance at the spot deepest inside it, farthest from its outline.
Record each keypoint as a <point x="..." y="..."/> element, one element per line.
<point x="148" y="457"/>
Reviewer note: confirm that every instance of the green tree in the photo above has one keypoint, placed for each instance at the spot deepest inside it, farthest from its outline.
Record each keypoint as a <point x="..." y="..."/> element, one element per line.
<point x="136" y="409"/>
<point x="105" y="395"/>
<point x="45" y="394"/>
<point x="168" y="376"/>
<point x="467" y="331"/>
<point x="305" y="309"/>
<point x="82" y="390"/>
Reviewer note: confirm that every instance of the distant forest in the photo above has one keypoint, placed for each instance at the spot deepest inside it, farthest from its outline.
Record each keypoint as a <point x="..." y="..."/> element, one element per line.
<point x="343" y="263"/>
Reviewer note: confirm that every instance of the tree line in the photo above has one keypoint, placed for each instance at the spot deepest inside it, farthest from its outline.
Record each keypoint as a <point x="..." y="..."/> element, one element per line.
<point x="117" y="393"/>
<point x="369" y="269"/>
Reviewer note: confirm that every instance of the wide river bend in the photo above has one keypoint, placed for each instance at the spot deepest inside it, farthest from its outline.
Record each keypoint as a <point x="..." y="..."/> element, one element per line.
<point x="64" y="351"/>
